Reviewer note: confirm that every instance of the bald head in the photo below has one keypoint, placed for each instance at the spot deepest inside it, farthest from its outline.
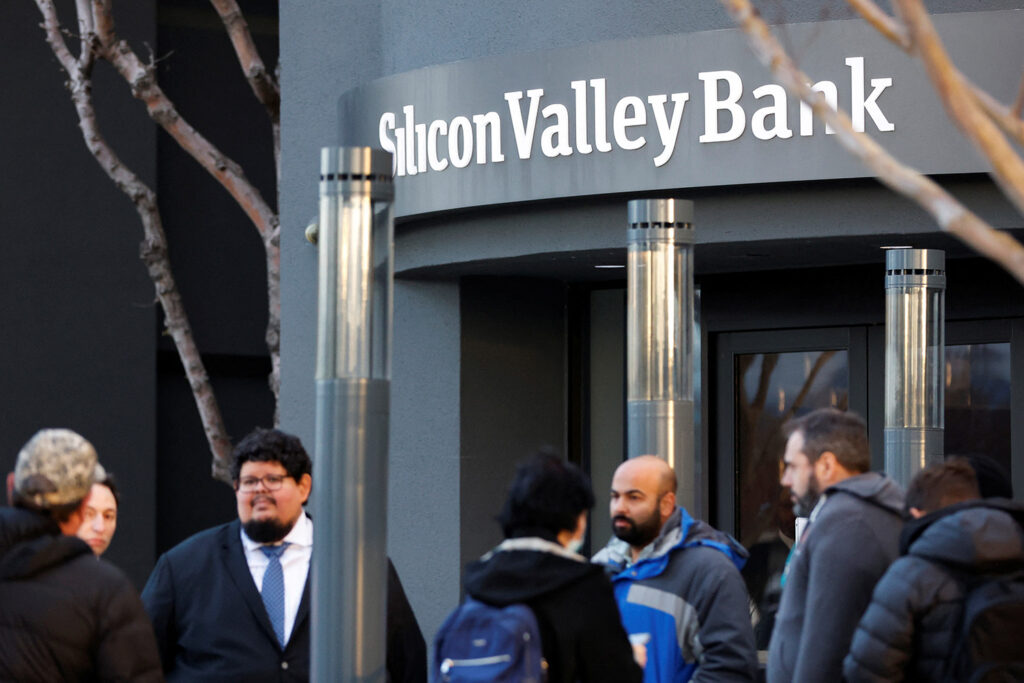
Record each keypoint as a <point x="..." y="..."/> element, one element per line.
<point x="652" y="470"/>
<point x="643" y="497"/>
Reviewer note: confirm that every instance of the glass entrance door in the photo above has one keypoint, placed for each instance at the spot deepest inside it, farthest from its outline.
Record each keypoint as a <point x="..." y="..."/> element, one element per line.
<point x="765" y="379"/>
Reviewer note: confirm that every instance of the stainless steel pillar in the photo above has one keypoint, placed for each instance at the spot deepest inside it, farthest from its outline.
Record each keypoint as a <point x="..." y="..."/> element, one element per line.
<point x="915" y="360"/>
<point x="659" y="336"/>
<point x="350" y="472"/>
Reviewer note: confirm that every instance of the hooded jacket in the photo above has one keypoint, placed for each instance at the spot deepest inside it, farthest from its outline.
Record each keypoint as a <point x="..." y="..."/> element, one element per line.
<point x="685" y="590"/>
<point x="66" y="615"/>
<point x="910" y="628"/>
<point x="580" y="632"/>
<point x="832" y="571"/>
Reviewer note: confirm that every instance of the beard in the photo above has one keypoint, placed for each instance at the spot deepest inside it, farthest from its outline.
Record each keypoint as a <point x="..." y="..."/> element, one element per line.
<point x="266" y="530"/>
<point x="803" y="505"/>
<point x="637" y="534"/>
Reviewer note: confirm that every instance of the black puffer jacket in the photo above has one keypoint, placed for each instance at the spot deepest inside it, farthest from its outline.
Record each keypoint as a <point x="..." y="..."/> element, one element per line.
<point x="66" y="615"/>
<point x="907" y="633"/>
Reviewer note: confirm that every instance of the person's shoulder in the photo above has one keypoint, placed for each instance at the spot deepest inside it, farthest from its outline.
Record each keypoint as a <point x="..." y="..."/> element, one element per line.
<point x="707" y="562"/>
<point x="98" y="574"/>
<point x="203" y="540"/>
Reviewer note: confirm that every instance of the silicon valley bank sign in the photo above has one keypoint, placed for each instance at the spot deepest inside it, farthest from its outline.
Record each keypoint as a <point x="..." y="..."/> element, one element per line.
<point x="635" y="116"/>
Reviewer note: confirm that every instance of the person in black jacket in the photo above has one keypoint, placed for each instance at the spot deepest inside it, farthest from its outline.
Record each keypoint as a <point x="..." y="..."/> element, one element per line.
<point x="544" y="520"/>
<point x="910" y="630"/>
<point x="65" y="615"/>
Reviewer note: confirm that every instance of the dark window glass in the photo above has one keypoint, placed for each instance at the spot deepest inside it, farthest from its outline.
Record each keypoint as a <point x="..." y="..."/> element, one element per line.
<point x="773" y="388"/>
<point x="978" y="401"/>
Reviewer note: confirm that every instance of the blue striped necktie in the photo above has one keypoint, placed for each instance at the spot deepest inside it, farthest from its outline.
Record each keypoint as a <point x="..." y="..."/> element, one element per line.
<point x="273" y="589"/>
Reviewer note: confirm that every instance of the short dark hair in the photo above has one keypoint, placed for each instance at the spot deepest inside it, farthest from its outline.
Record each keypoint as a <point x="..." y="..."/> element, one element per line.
<point x="547" y="493"/>
<point x="940" y="485"/>
<point x="271" y="445"/>
<point x="842" y="433"/>
<point x="993" y="479"/>
<point x="58" y="513"/>
<point x="111" y="484"/>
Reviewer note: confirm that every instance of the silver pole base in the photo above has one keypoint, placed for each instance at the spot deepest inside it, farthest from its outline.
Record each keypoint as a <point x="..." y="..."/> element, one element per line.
<point x="665" y="429"/>
<point x="350" y="483"/>
<point x="908" y="450"/>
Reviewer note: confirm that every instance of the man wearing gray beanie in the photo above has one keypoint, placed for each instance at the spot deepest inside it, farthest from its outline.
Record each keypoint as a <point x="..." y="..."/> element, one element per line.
<point x="65" y="615"/>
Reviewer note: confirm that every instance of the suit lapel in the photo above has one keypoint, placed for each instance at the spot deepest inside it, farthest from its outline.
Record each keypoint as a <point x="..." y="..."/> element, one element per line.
<point x="303" y="612"/>
<point x="233" y="557"/>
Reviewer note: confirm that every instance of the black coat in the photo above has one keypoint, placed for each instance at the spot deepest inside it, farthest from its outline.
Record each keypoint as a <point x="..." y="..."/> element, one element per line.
<point x="910" y="628"/>
<point x="66" y="615"/>
<point x="211" y="624"/>
<point x="581" y="633"/>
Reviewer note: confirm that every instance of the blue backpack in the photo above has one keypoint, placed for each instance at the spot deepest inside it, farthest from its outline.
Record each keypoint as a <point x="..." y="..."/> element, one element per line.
<point x="480" y="642"/>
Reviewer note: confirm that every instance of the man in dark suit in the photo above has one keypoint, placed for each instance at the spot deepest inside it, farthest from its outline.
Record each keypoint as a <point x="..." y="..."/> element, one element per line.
<point x="232" y="602"/>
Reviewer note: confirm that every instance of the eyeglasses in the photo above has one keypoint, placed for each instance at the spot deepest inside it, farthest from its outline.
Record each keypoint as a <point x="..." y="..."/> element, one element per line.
<point x="270" y="482"/>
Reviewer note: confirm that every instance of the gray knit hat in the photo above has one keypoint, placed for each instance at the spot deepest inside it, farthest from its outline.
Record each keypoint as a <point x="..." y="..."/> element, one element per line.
<point x="56" y="467"/>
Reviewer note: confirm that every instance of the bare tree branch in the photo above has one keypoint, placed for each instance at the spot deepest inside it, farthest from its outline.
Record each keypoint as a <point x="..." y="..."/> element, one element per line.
<point x="264" y="84"/>
<point x="950" y="214"/>
<point x="1003" y="116"/>
<point x="153" y="249"/>
<point x="1009" y="120"/>
<point x="103" y="20"/>
<point x="883" y="23"/>
<point x="1008" y="167"/>
<point x="141" y="78"/>
<point x="228" y="173"/>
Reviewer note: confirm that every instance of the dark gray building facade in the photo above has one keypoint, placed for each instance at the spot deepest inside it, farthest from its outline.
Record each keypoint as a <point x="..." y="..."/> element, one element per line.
<point x="521" y="131"/>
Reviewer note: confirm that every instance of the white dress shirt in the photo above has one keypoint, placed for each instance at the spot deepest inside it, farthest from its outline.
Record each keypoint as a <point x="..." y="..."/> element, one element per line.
<point x="294" y="566"/>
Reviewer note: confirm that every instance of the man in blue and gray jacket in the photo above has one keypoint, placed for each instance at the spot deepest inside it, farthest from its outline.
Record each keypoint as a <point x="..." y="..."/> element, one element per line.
<point x="676" y="581"/>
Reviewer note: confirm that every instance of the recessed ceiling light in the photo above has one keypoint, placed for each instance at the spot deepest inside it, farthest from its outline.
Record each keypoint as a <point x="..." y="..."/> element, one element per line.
<point x="610" y="265"/>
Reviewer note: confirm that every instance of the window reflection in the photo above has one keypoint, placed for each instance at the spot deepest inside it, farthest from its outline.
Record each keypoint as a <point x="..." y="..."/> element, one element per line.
<point x="978" y="401"/>
<point x="773" y="388"/>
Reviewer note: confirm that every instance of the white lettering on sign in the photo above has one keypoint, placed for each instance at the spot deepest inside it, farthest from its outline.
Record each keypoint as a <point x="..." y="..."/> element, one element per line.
<point x="577" y="121"/>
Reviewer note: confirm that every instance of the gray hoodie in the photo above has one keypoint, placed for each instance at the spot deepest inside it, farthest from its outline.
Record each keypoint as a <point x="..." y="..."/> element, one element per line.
<point x="842" y="554"/>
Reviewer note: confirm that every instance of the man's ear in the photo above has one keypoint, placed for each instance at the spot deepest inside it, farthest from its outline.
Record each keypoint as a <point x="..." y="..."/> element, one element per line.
<point x="667" y="505"/>
<point x="305" y="486"/>
<point x="827" y="463"/>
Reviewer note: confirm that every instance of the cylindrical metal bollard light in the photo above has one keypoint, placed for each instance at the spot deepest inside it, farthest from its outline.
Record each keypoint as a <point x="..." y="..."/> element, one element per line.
<point x="659" y="336"/>
<point x="350" y="472"/>
<point x="915" y="356"/>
